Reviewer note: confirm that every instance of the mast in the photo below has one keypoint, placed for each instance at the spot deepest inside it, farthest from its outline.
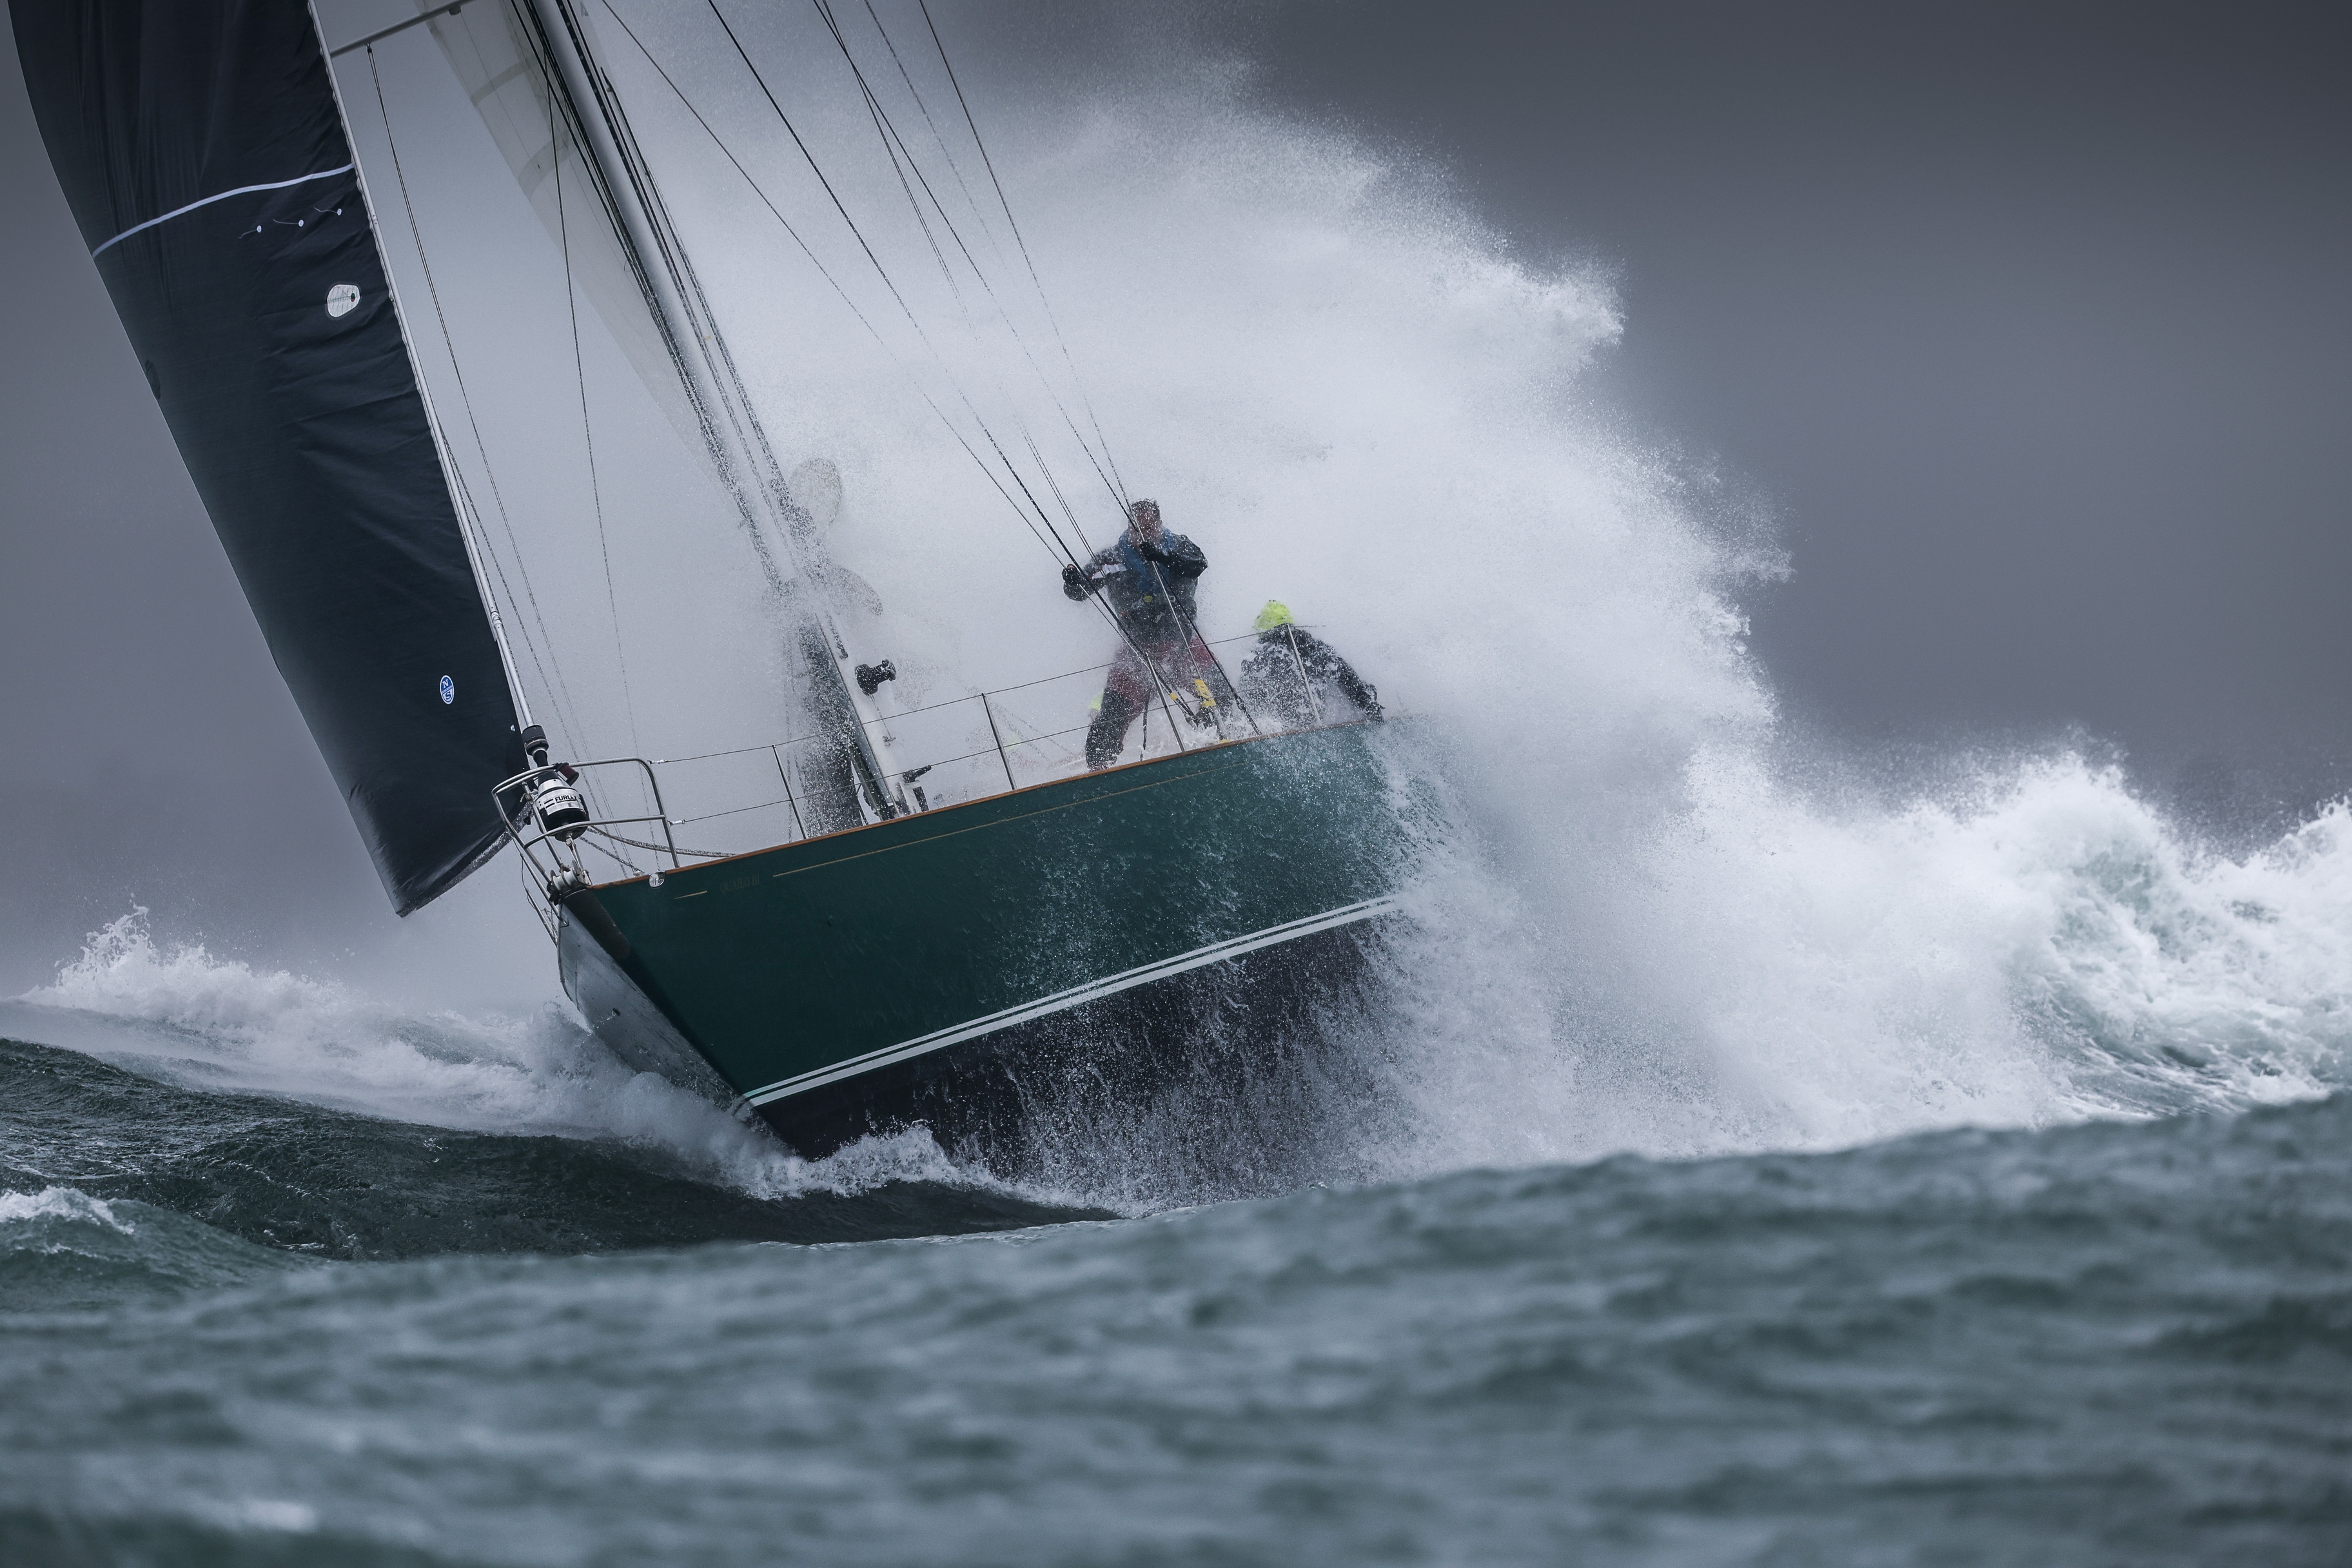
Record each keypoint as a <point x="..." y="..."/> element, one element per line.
<point x="863" y="785"/>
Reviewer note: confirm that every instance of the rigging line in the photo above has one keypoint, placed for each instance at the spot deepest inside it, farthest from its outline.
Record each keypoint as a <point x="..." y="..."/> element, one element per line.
<point x="556" y="689"/>
<point x="885" y="129"/>
<point x="1055" y="544"/>
<point x="616" y="860"/>
<point x="663" y="849"/>
<point x="533" y="28"/>
<point x="890" y="132"/>
<point x="916" y="93"/>
<point x="465" y="495"/>
<point x="882" y="119"/>
<point x="893" y="146"/>
<point x="1052" y="547"/>
<point x="1193" y="632"/>
<point x="1012" y="223"/>
<point x="859" y="235"/>
<point x="838" y="207"/>
<point x="713" y="415"/>
<point x="465" y="500"/>
<point x="1054" y="485"/>
<point x="1118" y="493"/>
<point x="587" y="431"/>
<point x="813" y="168"/>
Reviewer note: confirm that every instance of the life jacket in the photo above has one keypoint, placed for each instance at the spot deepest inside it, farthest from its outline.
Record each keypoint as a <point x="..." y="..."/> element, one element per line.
<point x="1156" y="600"/>
<point x="1140" y="574"/>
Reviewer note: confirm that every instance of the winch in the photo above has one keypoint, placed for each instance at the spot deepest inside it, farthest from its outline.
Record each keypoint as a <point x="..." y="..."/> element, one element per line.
<point x="561" y="813"/>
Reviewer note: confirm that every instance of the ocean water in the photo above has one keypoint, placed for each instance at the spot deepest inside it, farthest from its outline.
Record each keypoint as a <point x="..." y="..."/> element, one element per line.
<point x="289" y="1276"/>
<point x="1759" y="1154"/>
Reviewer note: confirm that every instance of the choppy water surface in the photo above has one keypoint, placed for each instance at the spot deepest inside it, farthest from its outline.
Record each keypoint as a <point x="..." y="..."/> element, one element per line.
<point x="241" y="1327"/>
<point x="1750" y="1160"/>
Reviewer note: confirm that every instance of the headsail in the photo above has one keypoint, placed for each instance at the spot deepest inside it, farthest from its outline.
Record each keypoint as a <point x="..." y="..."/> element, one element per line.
<point x="203" y="154"/>
<point x="529" y="68"/>
<point x="495" y="51"/>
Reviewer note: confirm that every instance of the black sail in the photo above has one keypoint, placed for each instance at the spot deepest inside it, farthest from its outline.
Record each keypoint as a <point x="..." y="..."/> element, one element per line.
<point x="203" y="151"/>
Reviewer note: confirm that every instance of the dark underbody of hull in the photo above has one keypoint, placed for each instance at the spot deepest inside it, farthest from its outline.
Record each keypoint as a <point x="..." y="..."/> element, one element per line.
<point x="1175" y="954"/>
<point x="1238" y="1041"/>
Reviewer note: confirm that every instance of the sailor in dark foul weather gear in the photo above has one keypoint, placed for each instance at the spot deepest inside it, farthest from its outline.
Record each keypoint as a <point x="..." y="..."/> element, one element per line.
<point x="1147" y="579"/>
<point x="1294" y="679"/>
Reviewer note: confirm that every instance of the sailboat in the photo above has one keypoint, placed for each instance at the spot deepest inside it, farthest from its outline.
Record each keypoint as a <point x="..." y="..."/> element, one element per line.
<point x="962" y="926"/>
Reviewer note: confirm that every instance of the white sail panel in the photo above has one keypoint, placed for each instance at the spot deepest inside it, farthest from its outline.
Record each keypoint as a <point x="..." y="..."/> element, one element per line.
<point x="493" y="49"/>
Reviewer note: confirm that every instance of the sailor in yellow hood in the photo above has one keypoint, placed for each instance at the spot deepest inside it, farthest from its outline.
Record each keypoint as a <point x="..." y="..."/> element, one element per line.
<point x="1299" y="681"/>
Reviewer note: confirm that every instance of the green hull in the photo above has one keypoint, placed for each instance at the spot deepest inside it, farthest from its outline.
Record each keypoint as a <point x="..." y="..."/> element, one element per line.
<point x="844" y="982"/>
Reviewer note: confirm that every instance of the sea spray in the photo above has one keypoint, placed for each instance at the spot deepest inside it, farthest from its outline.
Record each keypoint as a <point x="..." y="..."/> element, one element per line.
<point x="1631" y="928"/>
<point x="1637" y="929"/>
<point x="182" y="1013"/>
<point x="1776" y="970"/>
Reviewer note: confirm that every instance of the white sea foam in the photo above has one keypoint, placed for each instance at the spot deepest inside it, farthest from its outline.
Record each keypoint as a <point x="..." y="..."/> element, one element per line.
<point x="1762" y="969"/>
<point x="1641" y="932"/>
<point x="1638" y="932"/>
<point x="275" y="1515"/>
<point x="65" y="1204"/>
<point x="180" y="1013"/>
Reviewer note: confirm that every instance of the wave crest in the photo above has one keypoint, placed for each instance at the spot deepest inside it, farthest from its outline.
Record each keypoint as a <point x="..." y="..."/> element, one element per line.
<point x="65" y="1204"/>
<point x="181" y="1013"/>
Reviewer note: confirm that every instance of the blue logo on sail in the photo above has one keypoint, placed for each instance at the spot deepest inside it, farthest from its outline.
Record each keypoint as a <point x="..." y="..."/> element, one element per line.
<point x="449" y="690"/>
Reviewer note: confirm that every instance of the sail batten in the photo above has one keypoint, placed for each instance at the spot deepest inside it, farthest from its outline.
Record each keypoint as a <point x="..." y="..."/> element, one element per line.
<point x="220" y="196"/>
<point x="204" y="153"/>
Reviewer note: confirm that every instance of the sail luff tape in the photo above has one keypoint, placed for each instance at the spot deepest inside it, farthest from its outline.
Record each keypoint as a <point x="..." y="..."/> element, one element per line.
<point x="220" y="196"/>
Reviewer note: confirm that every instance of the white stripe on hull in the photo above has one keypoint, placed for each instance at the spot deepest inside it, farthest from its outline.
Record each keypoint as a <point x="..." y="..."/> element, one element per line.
<point x="1063" y="1000"/>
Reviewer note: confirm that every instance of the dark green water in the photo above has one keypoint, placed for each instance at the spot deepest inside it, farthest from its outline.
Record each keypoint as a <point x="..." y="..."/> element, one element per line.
<point x="246" y="1330"/>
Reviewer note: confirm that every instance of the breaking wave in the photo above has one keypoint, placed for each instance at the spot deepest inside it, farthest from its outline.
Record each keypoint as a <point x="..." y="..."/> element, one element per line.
<point x="225" y="1027"/>
<point x="227" y="1024"/>
<point x="1652" y="923"/>
<point x="60" y="1203"/>
<point x="1769" y="968"/>
<point x="1645" y="927"/>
